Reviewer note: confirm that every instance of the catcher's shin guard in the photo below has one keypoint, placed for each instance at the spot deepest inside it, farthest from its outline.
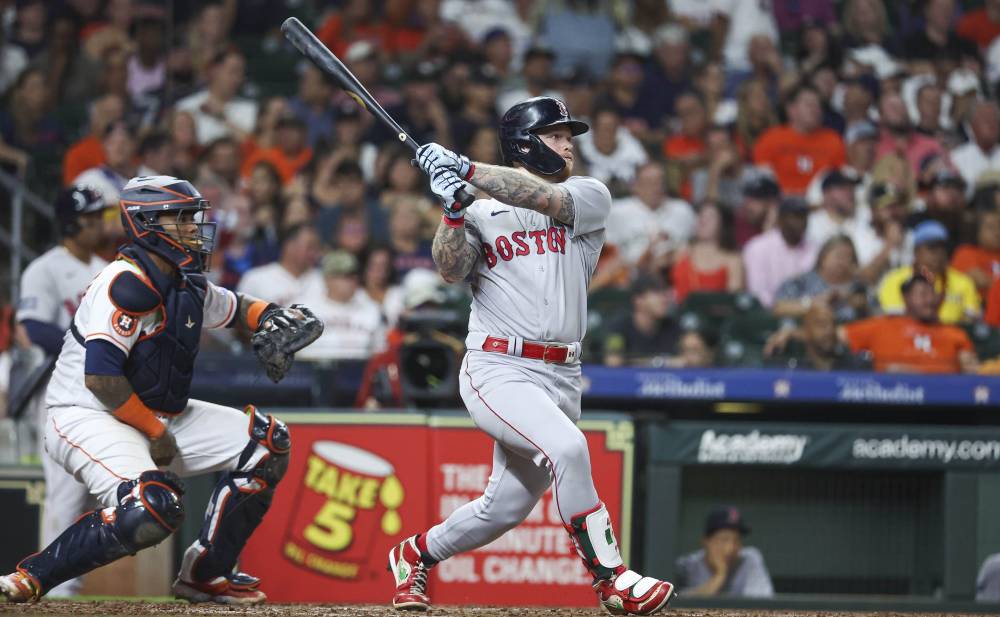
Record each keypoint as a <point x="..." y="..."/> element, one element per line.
<point x="619" y="590"/>
<point x="238" y="503"/>
<point x="149" y="510"/>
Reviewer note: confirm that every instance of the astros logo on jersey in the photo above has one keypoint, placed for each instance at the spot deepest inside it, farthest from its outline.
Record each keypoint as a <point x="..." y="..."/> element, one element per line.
<point x="123" y="323"/>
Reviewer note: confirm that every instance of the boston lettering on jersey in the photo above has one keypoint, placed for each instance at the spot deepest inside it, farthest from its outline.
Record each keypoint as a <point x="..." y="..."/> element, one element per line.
<point x="524" y="243"/>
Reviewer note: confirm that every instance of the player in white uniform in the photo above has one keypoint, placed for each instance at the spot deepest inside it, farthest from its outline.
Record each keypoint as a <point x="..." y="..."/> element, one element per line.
<point x="529" y="253"/>
<point x="120" y="419"/>
<point x="51" y="289"/>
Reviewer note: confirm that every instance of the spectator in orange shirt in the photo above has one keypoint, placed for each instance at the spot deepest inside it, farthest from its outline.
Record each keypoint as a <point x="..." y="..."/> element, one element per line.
<point x="981" y="261"/>
<point x="993" y="305"/>
<point x="915" y="341"/>
<point x="353" y="22"/>
<point x="88" y="152"/>
<point x="685" y="151"/>
<point x="981" y="25"/>
<point x="799" y="149"/>
<point x="290" y="152"/>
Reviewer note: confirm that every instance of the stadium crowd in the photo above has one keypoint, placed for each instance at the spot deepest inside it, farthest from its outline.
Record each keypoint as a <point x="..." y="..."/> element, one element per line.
<point x="800" y="184"/>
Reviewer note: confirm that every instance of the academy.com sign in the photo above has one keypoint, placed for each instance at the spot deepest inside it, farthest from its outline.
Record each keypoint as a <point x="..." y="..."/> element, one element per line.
<point x="752" y="447"/>
<point x="904" y="448"/>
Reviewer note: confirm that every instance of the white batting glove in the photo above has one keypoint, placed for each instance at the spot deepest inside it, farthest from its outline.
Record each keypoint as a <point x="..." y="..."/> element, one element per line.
<point x="445" y="183"/>
<point x="430" y="156"/>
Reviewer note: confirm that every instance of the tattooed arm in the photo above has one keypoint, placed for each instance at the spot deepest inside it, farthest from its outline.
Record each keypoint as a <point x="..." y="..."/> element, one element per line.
<point x="453" y="256"/>
<point x="111" y="390"/>
<point x="523" y="190"/>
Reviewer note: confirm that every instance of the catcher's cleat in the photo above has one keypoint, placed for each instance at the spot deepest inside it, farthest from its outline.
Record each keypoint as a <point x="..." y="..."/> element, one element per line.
<point x="630" y="593"/>
<point x="410" y="574"/>
<point x="19" y="587"/>
<point x="238" y="588"/>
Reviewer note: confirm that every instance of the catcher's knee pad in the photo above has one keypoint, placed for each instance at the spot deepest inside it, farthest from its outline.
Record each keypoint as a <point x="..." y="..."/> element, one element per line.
<point x="149" y="510"/>
<point x="266" y="456"/>
<point x="240" y="500"/>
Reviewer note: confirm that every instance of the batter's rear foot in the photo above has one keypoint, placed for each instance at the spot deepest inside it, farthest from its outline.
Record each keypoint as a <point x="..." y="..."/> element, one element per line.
<point x="239" y="589"/>
<point x="19" y="587"/>
<point x="410" y="575"/>
<point x="630" y="593"/>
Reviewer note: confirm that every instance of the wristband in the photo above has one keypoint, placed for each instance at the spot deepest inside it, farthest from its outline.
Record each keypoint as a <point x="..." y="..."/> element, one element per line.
<point x="469" y="174"/>
<point x="135" y="413"/>
<point x="254" y="313"/>
<point x="458" y="223"/>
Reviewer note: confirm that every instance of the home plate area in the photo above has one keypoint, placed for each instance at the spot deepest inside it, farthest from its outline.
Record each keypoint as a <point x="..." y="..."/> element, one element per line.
<point x="59" y="608"/>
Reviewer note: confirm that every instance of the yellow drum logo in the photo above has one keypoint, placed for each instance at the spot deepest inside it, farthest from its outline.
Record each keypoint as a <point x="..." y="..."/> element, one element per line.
<point x="347" y="499"/>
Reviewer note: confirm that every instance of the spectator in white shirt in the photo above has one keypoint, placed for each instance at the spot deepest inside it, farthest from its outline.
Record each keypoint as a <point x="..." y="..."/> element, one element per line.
<point x="294" y="277"/>
<point x="838" y="212"/>
<point x="740" y="21"/>
<point x="887" y="244"/>
<point x="982" y="152"/>
<point x="216" y="110"/>
<point x="650" y="224"/>
<point x="610" y="150"/>
<point x="354" y="327"/>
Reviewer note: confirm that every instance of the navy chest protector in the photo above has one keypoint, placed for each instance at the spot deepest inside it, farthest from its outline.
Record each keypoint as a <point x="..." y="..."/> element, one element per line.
<point x="161" y="364"/>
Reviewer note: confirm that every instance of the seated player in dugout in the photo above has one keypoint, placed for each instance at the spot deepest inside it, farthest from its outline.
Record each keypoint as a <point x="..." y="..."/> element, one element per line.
<point x="724" y="566"/>
<point x="121" y="421"/>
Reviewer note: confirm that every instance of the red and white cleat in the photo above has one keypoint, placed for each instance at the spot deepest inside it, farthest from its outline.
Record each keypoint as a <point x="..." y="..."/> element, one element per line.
<point x="410" y="574"/>
<point x="239" y="589"/>
<point x="19" y="587"/>
<point x="630" y="593"/>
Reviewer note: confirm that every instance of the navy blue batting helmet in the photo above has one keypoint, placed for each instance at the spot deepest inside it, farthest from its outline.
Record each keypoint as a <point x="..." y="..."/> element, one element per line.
<point x="519" y="141"/>
<point x="153" y="210"/>
<point x="74" y="202"/>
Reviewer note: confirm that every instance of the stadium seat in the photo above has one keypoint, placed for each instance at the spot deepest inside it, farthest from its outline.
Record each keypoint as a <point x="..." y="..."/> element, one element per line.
<point x="708" y="310"/>
<point x="606" y="305"/>
<point x="743" y="338"/>
<point x="985" y="338"/>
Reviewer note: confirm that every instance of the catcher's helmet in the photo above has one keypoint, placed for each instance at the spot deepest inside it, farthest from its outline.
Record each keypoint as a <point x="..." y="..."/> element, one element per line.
<point x="518" y="141"/>
<point x="151" y="210"/>
<point x="74" y="202"/>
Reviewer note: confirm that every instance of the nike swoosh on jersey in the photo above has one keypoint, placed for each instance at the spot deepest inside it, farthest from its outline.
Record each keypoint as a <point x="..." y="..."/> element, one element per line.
<point x="498" y="212"/>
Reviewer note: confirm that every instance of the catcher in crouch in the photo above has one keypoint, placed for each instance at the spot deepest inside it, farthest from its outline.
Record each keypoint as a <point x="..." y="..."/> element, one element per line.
<point x="119" y="416"/>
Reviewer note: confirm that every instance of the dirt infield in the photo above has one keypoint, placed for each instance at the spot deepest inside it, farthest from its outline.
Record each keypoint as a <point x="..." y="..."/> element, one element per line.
<point x="101" y="609"/>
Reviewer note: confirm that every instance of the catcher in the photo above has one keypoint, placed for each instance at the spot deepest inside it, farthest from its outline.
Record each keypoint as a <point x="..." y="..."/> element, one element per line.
<point x="119" y="416"/>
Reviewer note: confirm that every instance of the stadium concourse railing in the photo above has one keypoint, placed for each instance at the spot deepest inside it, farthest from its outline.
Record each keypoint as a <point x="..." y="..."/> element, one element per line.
<point x="21" y="200"/>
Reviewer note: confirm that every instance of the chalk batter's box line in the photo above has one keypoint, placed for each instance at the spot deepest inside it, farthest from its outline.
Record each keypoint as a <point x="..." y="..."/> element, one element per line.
<point x="619" y="437"/>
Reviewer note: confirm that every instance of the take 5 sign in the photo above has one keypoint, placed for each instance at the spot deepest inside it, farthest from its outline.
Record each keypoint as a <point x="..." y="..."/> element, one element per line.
<point x="359" y="483"/>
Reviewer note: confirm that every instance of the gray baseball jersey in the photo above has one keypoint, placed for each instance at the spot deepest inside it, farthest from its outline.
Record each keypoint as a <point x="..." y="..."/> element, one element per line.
<point x="749" y="577"/>
<point x="530" y="283"/>
<point x="532" y="275"/>
<point x="53" y="285"/>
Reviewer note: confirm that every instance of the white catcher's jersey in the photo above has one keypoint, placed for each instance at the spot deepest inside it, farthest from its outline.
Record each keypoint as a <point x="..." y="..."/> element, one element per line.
<point x="532" y="275"/>
<point x="98" y="318"/>
<point x="53" y="285"/>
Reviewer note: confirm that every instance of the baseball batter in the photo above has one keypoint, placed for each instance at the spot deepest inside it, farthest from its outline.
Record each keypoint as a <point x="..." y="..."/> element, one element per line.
<point x="529" y="252"/>
<point x="51" y="289"/>
<point x="119" y="416"/>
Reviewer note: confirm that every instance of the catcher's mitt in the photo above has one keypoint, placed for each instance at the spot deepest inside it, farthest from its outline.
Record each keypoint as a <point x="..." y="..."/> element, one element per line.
<point x="281" y="333"/>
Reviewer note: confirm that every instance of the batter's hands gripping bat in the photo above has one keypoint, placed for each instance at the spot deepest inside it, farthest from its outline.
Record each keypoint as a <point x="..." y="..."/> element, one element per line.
<point x="306" y="42"/>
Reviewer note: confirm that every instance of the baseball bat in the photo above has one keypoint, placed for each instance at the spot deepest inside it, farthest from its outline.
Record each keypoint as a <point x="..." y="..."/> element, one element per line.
<point x="325" y="60"/>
